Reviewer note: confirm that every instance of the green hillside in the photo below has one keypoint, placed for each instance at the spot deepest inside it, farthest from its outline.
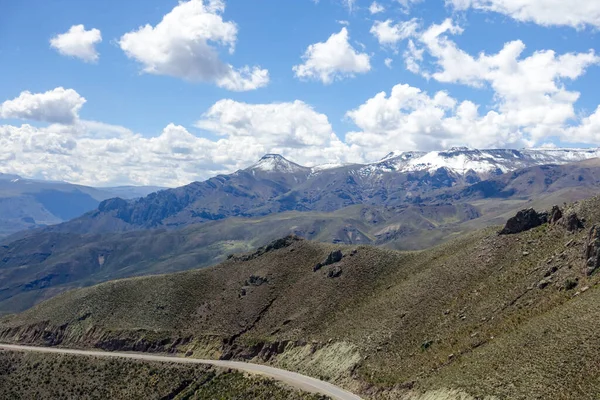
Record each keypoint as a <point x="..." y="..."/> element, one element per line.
<point x="512" y="316"/>
<point x="51" y="376"/>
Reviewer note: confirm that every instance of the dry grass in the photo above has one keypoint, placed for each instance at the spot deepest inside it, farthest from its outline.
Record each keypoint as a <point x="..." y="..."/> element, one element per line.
<point x="465" y="316"/>
<point x="49" y="376"/>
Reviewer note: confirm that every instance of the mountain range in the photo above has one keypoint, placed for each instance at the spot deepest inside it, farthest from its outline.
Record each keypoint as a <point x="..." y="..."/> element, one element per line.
<point x="28" y="203"/>
<point x="202" y="223"/>
<point x="275" y="185"/>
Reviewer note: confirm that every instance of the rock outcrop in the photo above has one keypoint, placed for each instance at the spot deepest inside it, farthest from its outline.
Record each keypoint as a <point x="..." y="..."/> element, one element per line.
<point x="592" y="250"/>
<point x="274" y="245"/>
<point x="555" y="215"/>
<point x="524" y="221"/>
<point x="332" y="258"/>
<point x="572" y="222"/>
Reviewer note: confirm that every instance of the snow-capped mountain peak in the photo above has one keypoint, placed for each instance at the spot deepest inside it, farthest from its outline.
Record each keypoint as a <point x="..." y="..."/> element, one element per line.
<point x="463" y="160"/>
<point x="277" y="163"/>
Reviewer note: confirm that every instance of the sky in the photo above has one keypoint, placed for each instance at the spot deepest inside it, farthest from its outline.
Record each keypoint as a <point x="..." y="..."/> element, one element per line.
<point x="164" y="92"/>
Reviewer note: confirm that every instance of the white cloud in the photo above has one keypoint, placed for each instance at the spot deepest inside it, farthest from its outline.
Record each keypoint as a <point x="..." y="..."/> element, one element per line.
<point x="332" y="60"/>
<point x="530" y="92"/>
<point x="412" y="120"/>
<point x="376" y="8"/>
<point x="388" y="62"/>
<point x="77" y="42"/>
<point x="587" y="132"/>
<point x="95" y="153"/>
<point x="413" y="56"/>
<point x="389" y="35"/>
<point x="183" y="45"/>
<point x="574" y="13"/>
<point x="59" y="105"/>
<point x="531" y="101"/>
<point x="406" y="4"/>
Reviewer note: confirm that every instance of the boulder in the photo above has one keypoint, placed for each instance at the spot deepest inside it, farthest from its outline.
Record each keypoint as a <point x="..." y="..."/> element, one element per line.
<point x="333" y="257"/>
<point x="592" y="250"/>
<point x="334" y="272"/>
<point x="524" y="221"/>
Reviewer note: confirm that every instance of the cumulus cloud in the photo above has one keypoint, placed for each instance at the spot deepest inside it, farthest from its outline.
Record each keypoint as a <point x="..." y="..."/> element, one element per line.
<point x="79" y="43"/>
<point x="183" y="45"/>
<point x="59" y="105"/>
<point x="413" y="120"/>
<point x="586" y="132"/>
<point x="529" y="91"/>
<point x="574" y="13"/>
<point x="389" y="34"/>
<point x="531" y="100"/>
<point x="96" y="153"/>
<point x="333" y="59"/>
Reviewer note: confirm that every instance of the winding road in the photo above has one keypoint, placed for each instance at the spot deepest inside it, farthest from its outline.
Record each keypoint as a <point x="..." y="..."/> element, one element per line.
<point x="293" y="379"/>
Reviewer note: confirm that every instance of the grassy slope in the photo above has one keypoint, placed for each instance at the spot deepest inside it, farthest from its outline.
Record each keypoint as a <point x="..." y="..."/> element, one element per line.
<point x="447" y="317"/>
<point x="74" y="260"/>
<point x="49" y="376"/>
<point x="27" y="276"/>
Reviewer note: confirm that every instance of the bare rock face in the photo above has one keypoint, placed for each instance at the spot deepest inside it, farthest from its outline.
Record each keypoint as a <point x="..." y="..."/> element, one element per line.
<point x="592" y="250"/>
<point x="524" y="221"/>
<point x="555" y="215"/>
<point x="572" y="223"/>
<point x="332" y="258"/>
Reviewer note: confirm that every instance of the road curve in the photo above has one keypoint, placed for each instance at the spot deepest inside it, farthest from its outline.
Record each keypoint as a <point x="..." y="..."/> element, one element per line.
<point x="293" y="379"/>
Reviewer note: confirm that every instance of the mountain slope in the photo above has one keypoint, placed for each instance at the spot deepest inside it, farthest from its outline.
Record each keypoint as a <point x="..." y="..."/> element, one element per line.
<point x="383" y="322"/>
<point x="26" y="203"/>
<point x="37" y="267"/>
<point x="44" y="264"/>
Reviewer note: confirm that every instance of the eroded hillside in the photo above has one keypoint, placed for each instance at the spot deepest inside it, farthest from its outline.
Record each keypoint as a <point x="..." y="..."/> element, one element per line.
<point x="512" y="316"/>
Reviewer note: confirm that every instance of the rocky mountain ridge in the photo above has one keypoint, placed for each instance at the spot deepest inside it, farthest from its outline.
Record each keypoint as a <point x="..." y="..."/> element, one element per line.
<point x="275" y="184"/>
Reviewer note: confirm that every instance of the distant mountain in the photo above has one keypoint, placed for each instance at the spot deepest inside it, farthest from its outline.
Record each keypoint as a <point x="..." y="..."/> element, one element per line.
<point x="275" y="184"/>
<point x="465" y="161"/>
<point x="46" y="262"/>
<point x="27" y="203"/>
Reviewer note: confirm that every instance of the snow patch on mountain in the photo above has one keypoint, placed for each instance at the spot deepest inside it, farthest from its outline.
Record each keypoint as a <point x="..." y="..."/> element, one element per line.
<point x="325" y="167"/>
<point x="463" y="160"/>
<point x="277" y="163"/>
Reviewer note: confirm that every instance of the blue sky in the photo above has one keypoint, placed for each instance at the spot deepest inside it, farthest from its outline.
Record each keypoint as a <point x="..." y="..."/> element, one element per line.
<point x="126" y="107"/>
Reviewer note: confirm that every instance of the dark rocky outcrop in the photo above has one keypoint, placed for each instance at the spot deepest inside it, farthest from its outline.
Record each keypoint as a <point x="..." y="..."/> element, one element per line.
<point x="555" y="215"/>
<point x="524" y="221"/>
<point x="572" y="222"/>
<point x="592" y="250"/>
<point x="256" y="280"/>
<point x="274" y="245"/>
<point x="332" y="258"/>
